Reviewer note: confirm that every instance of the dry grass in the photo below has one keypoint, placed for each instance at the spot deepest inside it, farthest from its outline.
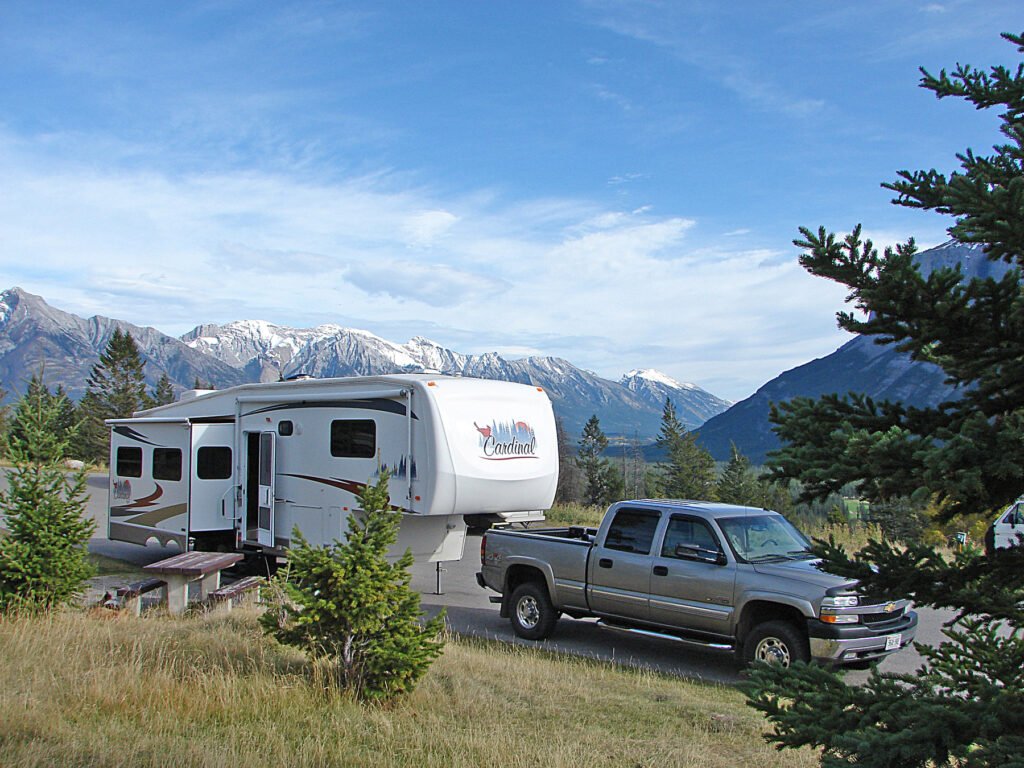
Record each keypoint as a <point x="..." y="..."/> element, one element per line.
<point x="854" y="536"/>
<point x="84" y="689"/>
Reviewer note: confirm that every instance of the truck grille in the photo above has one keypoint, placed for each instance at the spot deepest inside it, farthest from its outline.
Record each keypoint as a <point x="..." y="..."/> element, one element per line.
<point x="882" y="618"/>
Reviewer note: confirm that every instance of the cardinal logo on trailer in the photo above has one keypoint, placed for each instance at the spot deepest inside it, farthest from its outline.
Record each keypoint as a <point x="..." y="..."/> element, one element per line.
<point x="506" y="440"/>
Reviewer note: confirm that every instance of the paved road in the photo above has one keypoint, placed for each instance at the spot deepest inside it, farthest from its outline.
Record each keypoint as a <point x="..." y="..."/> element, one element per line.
<point x="470" y="612"/>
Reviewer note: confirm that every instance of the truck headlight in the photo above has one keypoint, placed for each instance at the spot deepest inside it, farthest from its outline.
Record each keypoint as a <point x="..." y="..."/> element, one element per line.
<point x="841" y="601"/>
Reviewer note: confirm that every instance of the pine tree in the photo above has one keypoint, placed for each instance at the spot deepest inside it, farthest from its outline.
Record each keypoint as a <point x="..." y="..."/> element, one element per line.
<point x="602" y="482"/>
<point x="116" y="389"/>
<point x="738" y="485"/>
<point x="964" y="706"/>
<point x="43" y="557"/>
<point x="163" y="393"/>
<point x="570" y="483"/>
<point x="689" y="470"/>
<point x="346" y="605"/>
<point x="64" y="422"/>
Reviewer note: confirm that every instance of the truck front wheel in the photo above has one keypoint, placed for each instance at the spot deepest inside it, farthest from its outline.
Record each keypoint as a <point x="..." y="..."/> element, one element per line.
<point x="776" y="642"/>
<point x="533" y="616"/>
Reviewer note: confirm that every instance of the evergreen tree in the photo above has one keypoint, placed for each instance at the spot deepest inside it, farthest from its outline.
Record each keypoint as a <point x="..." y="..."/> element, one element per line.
<point x="164" y="391"/>
<point x="738" y="485"/>
<point x="634" y="470"/>
<point x="602" y="481"/>
<point x="689" y="470"/>
<point x="64" y="422"/>
<point x="115" y="390"/>
<point x="347" y="605"/>
<point x="43" y="557"/>
<point x="964" y="706"/>
<point x="570" y="483"/>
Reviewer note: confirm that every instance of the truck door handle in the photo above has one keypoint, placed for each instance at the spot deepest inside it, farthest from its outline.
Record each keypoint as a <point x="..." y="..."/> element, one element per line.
<point x="604" y="562"/>
<point x="660" y="570"/>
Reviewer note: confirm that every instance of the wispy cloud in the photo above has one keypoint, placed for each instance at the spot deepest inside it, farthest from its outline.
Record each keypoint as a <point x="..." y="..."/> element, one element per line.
<point x="174" y="251"/>
<point x="682" y="31"/>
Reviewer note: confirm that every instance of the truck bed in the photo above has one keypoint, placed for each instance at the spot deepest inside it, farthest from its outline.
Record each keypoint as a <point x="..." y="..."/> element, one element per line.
<point x="562" y="554"/>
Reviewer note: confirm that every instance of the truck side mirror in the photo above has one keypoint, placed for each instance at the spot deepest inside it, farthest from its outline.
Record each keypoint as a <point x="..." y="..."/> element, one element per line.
<point x="700" y="554"/>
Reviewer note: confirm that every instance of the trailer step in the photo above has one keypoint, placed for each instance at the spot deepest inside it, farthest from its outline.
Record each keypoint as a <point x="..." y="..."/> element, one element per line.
<point x="696" y="642"/>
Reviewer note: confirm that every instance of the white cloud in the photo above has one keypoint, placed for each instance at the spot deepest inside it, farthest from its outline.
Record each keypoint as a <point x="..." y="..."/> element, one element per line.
<point x="607" y="289"/>
<point x="425" y="227"/>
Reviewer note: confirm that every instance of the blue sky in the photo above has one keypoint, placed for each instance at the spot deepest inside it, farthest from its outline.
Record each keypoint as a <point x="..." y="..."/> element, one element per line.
<point x="616" y="183"/>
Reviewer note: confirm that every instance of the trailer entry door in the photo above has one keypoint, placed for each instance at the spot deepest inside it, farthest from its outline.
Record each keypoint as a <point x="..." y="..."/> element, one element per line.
<point x="259" y="487"/>
<point x="266" y="489"/>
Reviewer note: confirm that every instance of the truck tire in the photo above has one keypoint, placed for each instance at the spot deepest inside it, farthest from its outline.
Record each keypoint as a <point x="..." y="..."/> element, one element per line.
<point x="532" y="614"/>
<point x="776" y="642"/>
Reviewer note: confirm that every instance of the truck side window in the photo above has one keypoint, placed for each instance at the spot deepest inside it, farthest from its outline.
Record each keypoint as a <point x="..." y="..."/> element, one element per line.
<point x="129" y="461"/>
<point x="632" y="530"/>
<point x="167" y="464"/>
<point x="688" y="531"/>
<point x="354" y="438"/>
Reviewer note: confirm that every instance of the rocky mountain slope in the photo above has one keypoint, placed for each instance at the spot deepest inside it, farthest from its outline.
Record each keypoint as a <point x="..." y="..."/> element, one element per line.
<point x="630" y="407"/>
<point x="35" y="336"/>
<point x="860" y="365"/>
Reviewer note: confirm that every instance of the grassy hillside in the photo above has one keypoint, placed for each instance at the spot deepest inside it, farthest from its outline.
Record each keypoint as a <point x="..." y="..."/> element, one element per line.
<point x="97" y="689"/>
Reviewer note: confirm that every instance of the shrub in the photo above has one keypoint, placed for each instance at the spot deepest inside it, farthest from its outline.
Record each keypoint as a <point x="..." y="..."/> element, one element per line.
<point x="43" y="557"/>
<point x="345" y="604"/>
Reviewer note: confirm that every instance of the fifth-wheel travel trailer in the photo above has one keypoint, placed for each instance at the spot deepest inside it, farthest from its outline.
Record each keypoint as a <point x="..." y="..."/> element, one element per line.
<point x="240" y="468"/>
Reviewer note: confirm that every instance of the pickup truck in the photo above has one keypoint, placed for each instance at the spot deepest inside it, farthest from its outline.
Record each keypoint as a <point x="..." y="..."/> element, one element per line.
<point x="714" y="575"/>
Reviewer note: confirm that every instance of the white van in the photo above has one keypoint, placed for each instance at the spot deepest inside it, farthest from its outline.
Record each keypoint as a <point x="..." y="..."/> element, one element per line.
<point x="1008" y="528"/>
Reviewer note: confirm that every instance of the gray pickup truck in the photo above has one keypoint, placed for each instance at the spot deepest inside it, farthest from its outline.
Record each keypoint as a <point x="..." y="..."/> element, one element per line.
<point x="715" y="575"/>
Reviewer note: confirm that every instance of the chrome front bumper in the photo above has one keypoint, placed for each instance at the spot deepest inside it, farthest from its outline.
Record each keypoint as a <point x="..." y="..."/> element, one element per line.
<point x="841" y="649"/>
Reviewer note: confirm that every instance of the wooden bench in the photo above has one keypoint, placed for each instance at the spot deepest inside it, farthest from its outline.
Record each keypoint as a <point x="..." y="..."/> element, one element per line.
<point x="181" y="570"/>
<point x="131" y="596"/>
<point x="237" y="592"/>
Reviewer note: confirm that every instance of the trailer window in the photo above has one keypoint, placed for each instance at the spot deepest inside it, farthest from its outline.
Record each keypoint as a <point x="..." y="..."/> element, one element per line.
<point x="129" y="462"/>
<point x="167" y="464"/>
<point x="632" y="530"/>
<point x="285" y="429"/>
<point x="213" y="462"/>
<point x="354" y="438"/>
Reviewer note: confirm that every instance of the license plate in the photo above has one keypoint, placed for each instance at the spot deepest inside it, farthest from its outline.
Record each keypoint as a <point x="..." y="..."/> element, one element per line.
<point x="892" y="642"/>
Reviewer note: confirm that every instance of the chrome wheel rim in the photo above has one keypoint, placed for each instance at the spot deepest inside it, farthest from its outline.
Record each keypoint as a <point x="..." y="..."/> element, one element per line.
<point x="527" y="612"/>
<point x="773" y="651"/>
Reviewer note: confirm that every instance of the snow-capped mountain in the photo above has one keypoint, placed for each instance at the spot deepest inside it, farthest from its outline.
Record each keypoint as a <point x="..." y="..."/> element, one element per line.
<point x="268" y="352"/>
<point x="693" y="405"/>
<point x="35" y="336"/>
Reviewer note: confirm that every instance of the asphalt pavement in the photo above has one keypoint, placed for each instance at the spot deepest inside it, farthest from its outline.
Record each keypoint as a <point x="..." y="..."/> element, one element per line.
<point x="470" y="612"/>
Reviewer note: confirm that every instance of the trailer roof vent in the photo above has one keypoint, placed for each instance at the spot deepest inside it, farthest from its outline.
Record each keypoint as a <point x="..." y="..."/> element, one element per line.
<point x="192" y="394"/>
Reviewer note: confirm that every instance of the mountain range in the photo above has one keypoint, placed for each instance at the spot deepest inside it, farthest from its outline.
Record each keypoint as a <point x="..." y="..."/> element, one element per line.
<point x="35" y="336"/>
<point x="860" y="365"/>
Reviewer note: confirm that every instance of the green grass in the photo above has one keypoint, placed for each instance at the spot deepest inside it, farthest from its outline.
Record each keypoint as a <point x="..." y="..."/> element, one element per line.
<point x="97" y="689"/>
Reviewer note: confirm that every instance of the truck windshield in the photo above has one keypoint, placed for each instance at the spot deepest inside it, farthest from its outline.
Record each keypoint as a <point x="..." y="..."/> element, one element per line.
<point x="761" y="538"/>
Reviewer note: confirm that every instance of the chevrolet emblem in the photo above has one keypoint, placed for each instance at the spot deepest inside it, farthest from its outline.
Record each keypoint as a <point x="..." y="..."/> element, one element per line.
<point x="890" y="607"/>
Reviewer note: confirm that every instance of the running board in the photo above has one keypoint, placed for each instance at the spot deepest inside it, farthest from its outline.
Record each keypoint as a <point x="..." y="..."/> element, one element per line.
<point x="666" y="636"/>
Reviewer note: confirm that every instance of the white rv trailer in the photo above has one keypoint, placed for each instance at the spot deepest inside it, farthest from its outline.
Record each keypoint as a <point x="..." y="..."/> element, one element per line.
<point x="239" y="468"/>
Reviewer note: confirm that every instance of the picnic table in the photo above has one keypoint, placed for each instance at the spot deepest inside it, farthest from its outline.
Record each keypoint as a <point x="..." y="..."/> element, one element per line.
<point x="188" y="567"/>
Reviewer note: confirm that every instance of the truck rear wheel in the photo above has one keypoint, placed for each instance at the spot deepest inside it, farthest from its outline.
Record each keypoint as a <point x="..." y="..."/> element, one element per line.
<point x="533" y="616"/>
<point x="776" y="642"/>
